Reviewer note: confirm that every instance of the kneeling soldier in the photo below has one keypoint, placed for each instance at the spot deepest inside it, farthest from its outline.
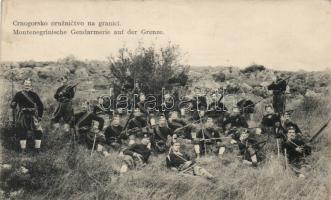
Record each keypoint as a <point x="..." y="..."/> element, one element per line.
<point x="181" y="162"/>
<point x="29" y="115"/>
<point x="136" y="155"/>
<point x="64" y="110"/>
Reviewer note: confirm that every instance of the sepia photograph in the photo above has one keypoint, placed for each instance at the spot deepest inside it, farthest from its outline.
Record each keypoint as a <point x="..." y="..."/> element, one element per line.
<point x="165" y="100"/>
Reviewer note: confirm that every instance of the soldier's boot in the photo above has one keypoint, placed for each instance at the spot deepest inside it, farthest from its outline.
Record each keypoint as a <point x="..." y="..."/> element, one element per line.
<point x="221" y="152"/>
<point x="23" y="146"/>
<point x="66" y="128"/>
<point x="37" y="144"/>
<point x="197" y="150"/>
<point x="124" y="169"/>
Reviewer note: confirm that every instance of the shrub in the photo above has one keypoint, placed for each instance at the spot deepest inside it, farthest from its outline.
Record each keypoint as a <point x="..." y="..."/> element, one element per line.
<point x="253" y="68"/>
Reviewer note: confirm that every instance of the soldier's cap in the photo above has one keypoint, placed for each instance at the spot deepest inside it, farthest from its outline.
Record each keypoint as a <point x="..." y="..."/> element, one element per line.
<point x="290" y="128"/>
<point x="27" y="81"/>
<point x="288" y="112"/>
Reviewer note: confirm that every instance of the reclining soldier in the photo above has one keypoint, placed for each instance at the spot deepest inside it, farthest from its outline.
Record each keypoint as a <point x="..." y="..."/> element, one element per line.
<point x="181" y="162"/>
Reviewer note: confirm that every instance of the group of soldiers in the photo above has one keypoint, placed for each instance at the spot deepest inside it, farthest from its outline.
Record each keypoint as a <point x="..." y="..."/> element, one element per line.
<point x="138" y="132"/>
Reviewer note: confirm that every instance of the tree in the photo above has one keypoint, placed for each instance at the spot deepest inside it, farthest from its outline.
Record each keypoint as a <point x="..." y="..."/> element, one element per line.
<point x="148" y="69"/>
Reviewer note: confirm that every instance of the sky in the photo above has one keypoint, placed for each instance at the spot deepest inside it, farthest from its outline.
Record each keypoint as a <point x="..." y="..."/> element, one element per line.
<point x="286" y="35"/>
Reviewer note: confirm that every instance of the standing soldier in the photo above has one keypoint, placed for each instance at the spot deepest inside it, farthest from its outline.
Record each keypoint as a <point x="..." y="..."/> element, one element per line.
<point x="84" y="127"/>
<point x="29" y="115"/>
<point x="114" y="133"/>
<point x="278" y="86"/>
<point x="64" y="110"/>
<point x="208" y="140"/>
<point x="161" y="136"/>
<point x="296" y="151"/>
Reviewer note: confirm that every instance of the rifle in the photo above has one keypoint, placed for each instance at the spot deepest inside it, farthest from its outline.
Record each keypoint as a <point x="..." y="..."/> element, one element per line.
<point x="319" y="131"/>
<point x="210" y="139"/>
<point x="12" y="97"/>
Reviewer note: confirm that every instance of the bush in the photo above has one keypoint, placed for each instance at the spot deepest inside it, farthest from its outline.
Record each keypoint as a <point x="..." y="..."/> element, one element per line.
<point x="151" y="68"/>
<point x="219" y="77"/>
<point x="253" y="68"/>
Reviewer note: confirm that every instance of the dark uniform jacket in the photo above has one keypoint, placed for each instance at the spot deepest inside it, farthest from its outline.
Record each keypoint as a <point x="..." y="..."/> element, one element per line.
<point x="140" y="149"/>
<point x="237" y="121"/>
<point x="215" y="109"/>
<point x="247" y="149"/>
<point x="278" y="87"/>
<point x="246" y="106"/>
<point x="209" y="133"/>
<point x="269" y="120"/>
<point x="176" y="160"/>
<point x="161" y="133"/>
<point x="113" y="134"/>
<point x="23" y="102"/>
<point x="293" y="155"/>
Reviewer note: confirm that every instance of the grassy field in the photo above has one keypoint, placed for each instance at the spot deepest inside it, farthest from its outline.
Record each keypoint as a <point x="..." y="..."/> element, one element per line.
<point x="50" y="177"/>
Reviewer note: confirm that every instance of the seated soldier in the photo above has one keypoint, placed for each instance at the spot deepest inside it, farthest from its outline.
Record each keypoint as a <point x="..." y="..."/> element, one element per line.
<point x="161" y="136"/>
<point x="84" y="127"/>
<point x="236" y="119"/>
<point x="217" y="109"/>
<point x="208" y="140"/>
<point x="247" y="148"/>
<point x="296" y="151"/>
<point x="269" y="120"/>
<point x="247" y="108"/>
<point x="141" y="103"/>
<point x="138" y="124"/>
<point x="136" y="155"/>
<point x="114" y="133"/>
<point x="179" y="126"/>
<point x="181" y="162"/>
